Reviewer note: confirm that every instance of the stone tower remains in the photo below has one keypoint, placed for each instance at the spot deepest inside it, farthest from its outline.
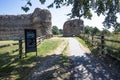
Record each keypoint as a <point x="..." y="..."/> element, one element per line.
<point x="73" y="27"/>
<point x="12" y="26"/>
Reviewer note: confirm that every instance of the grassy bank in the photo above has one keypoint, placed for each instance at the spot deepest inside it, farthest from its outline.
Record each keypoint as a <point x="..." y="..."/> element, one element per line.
<point x="82" y="42"/>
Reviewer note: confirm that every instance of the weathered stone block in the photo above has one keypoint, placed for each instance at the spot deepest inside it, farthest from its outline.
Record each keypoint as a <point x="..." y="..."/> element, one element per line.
<point x="73" y="27"/>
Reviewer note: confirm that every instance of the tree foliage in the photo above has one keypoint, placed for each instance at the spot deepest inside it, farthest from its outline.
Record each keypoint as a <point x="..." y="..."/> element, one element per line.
<point x="117" y="28"/>
<point x="82" y="8"/>
<point x="55" y="30"/>
<point x="61" y="31"/>
<point x="91" y="30"/>
<point x="87" y="29"/>
<point x="106" y="32"/>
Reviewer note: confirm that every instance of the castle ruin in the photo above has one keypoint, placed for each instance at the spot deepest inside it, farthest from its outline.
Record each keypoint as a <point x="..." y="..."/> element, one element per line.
<point x="73" y="27"/>
<point x="12" y="26"/>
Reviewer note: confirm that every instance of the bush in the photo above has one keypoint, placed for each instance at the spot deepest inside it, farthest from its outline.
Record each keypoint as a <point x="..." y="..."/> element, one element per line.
<point x="55" y="30"/>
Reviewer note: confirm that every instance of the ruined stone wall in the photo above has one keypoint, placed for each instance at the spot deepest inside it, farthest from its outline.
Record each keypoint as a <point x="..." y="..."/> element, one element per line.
<point x="12" y="26"/>
<point x="73" y="27"/>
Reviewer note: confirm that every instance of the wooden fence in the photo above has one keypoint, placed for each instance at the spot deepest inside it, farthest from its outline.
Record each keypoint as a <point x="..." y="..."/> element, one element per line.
<point x="100" y="41"/>
<point x="8" y="45"/>
<point x="20" y="46"/>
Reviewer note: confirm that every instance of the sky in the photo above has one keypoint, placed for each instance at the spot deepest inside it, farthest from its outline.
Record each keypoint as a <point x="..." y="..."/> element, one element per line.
<point x="59" y="16"/>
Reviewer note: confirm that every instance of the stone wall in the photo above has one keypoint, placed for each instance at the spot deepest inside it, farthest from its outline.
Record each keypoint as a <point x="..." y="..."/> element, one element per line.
<point x="12" y="26"/>
<point x="73" y="27"/>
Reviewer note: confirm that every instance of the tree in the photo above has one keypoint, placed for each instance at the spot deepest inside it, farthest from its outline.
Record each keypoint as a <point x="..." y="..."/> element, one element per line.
<point x="91" y="30"/>
<point x="106" y="32"/>
<point x="55" y="30"/>
<point x="95" y="31"/>
<point x="61" y="31"/>
<point x="82" y="8"/>
<point x="87" y="30"/>
<point x="117" y="28"/>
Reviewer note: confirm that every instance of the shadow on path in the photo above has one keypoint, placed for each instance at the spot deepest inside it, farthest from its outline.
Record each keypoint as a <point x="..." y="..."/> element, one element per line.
<point x="90" y="68"/>
<point x="60" y="67"/>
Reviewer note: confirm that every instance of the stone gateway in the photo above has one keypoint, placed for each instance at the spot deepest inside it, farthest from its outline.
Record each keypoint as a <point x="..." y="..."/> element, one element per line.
<point x="73" y="27"/>
<point x="12" y="26"/>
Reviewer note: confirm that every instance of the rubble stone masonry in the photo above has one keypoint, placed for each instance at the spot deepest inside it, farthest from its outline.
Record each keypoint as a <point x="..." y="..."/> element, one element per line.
<point x="12" y="26"/>
<point x="73" y="27"/>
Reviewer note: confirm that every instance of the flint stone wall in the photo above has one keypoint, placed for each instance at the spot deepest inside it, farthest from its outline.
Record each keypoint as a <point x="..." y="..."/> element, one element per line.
<point x="73" y="27"/>
<point x="12" y="26"/>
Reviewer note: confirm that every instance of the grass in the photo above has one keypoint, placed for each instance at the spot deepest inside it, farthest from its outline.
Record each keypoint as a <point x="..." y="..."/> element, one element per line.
<point x="96" y="47"/>
<point x="115" y="53"/>
<point x="48" y="45"/>
<point x="13" y="68"/>
<point x="9" y="48"/>
<point x="65" y="50"/>
<point x="59" y="35"/>
<point x="7" y="42"/>
<point x="113" y="37"/>
<point x="82" y="42"/>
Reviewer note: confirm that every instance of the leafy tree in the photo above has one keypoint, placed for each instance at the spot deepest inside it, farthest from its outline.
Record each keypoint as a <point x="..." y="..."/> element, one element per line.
<point x="55" y="30"/>
<point x="95" y="31"/>
<point x="87" y="30"/>
<point x="117" y="28"/>
<point x="91" y="30"/>
<point x="61" y="31"/>
<point x="82" y="8"/>
<point x="106" y="32"/>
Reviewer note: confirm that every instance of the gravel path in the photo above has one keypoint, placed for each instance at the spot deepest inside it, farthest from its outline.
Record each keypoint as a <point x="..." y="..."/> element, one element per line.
<point x="75" y="48"/>
<point x="86" y="67"/>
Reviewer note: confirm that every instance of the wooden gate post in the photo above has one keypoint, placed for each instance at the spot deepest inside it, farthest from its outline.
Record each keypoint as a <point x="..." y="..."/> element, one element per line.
<point x="92" y="40"/>
<point x="102" y="44"/>
<point x="20" y="49"/>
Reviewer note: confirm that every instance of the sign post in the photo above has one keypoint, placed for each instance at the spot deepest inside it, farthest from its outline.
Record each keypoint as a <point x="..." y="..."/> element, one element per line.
<point x="20" y="49"/>
<point x="30" y="41"/>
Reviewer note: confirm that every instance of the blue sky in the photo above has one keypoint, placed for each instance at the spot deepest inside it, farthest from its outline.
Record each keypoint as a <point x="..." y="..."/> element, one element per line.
<point x="13" y="7"/>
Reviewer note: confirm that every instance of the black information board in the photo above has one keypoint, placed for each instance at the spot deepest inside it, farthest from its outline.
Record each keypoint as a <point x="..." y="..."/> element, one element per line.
<point x="30" y="40"/>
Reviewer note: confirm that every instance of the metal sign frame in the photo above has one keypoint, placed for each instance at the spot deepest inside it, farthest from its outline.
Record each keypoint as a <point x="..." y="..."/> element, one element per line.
<point x="30" y="41"/>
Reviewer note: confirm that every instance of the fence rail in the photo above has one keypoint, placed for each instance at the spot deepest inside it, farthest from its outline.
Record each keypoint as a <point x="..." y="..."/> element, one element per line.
<point x="7" y="45"/>
<point x="20" y="47"/>
<point x="102" y="44"/>
<point x="40" y="39"/>
<point x="112" y="40"/>
<point x="111" y="47"/>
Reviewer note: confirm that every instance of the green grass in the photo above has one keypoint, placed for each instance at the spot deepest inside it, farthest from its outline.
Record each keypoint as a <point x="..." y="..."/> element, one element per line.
<point x="59" y="35"/>
<point x="94" y="49"/>
<point x="82" y="42"/>
<point x="115" y="53"/>
<point x="48" y="45"/>
<point x="7" y="42"/>
<point x="65" y="52"/>
<point x="113" y="37"/>
<point x="13" y="68"/>
<point x="9" y="48"/>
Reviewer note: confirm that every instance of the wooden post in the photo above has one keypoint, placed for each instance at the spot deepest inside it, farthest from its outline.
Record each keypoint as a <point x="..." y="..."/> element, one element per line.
<point x="92" y="40"/>
<point x="102" y="44"/>
<point x="36" y="52"/>
<point x="20" y="49"/>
